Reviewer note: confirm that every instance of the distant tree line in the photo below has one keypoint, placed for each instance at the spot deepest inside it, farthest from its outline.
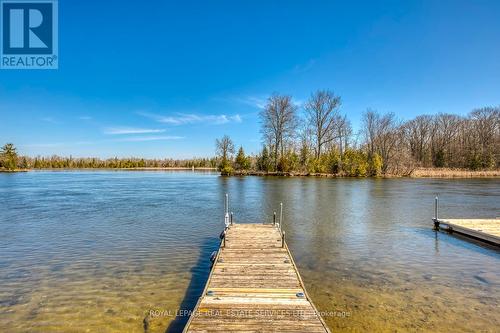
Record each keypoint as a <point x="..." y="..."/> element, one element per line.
<point x="10" y="160"/>
<point x="318" y="138"/>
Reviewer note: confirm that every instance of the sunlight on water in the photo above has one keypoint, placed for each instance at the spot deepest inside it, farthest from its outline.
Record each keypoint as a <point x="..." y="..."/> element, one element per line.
<point x="123" y="251"/>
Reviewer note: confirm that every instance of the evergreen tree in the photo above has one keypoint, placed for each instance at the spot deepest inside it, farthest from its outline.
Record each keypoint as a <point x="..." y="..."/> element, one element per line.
<point x="264" y="162"/>
<point x="242" y="162"/>
<point x="375" y="165"/>
<point x="8" y="156"/>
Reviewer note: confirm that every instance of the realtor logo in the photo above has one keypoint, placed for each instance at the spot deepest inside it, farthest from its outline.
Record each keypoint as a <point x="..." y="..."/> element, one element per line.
<point x="28" y="34"/>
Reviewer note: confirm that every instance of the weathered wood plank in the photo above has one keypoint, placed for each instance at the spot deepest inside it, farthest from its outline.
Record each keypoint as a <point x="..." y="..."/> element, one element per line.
<point x="483" y="229"/>
<point x="254" y="286"/>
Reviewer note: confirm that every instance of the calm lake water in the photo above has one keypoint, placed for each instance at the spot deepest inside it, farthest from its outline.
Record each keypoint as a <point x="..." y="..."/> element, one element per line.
<point x="97" y="251"/>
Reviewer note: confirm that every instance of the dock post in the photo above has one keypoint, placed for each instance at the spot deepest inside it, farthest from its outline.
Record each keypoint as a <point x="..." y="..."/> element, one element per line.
<point x="231" y="218"/>
<point x="281" y="215"/>
<point x="283" y="239"/>
<point x="274" y="218"/>
<point x="436" y="212"/>
<point x="226" y="211"/>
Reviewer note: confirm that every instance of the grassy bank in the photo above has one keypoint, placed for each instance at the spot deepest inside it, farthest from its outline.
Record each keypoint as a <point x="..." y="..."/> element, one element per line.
<point x="417" y="173"/>
<point x="14" y="170"/>
<point x="453" y="173"/>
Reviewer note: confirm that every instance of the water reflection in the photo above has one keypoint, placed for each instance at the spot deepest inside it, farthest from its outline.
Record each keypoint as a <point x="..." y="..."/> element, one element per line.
<point x="100" y="250"/>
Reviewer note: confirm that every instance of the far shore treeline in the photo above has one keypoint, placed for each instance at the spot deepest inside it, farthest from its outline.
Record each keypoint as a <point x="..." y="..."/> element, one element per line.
<point x="317" y="138"/>
<point x="10" y="160"/>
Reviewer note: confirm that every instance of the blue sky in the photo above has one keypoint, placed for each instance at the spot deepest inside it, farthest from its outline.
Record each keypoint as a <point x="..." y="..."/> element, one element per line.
<point x="164" y="79"/>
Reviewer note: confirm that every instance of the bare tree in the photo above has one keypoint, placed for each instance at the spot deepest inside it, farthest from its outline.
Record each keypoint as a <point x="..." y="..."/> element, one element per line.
<point x="418" y="135"/>
<point x="305" y="146"/>
<point x="483" y="137"/>
<point x="381" y="135"/>
<point x="322" y="113"/>
<point x="444" y="133"/>
<point x="279" y="121"/>
<point x="370" y="123"/>
<point x="344" y="133"/>
<point x="224" y="149"/>
<point x="401" y="160"/>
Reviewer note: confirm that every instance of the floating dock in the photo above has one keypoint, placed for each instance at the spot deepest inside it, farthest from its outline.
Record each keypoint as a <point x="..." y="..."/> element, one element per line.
<point x="485" y="230"/>
<point x="254" y="286"/>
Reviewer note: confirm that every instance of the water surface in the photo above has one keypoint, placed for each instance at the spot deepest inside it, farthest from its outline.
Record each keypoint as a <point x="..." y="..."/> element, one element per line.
<point x="88" y="251"/>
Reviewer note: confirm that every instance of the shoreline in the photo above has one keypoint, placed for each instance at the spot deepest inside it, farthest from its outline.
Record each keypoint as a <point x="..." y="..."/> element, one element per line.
<point x="417" y="173"/>
<point x="13" y="171"/>
<point x="111" y="169"/>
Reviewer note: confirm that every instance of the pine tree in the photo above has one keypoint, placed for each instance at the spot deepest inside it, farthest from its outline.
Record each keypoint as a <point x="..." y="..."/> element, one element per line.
<point x="242" y="162"/>
<point x="264" y="161"/>
<point x="8" y="156"/>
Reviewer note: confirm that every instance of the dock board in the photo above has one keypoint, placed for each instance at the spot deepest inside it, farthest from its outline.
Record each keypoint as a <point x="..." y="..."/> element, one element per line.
<point x="254" y="286"/>
<point x="487" y="230"/>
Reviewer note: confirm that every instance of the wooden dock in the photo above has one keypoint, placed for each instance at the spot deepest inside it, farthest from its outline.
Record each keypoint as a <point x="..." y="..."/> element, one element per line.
<point x="486" y="230"/>
<point x="254" y="286"/>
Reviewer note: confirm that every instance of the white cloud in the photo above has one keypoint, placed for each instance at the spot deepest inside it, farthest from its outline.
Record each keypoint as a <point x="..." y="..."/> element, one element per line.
<point x="236" y="118"/>
<point x="261" y="102"/>
<point x="149" y="138"/>
<point x="131" y="130"/>
<point x="258" y="102"/>
<point x="191" y="118"/>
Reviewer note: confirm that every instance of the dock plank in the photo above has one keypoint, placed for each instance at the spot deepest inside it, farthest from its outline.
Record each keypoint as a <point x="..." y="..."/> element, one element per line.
<point x="254" y="286"/>
<point x="482" y="229"/>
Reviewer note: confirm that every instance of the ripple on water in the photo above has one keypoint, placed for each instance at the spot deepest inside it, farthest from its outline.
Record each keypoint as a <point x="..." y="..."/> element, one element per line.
<point x="111" y="251"/>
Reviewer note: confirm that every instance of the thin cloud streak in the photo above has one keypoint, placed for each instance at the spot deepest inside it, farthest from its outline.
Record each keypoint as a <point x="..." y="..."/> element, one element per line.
<point x="257" y="102"/>
<point x="260" y="102"/>
<point x="149" y="138"/>
<point x="191" y="118"/>
<point x="130" y="130"/>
